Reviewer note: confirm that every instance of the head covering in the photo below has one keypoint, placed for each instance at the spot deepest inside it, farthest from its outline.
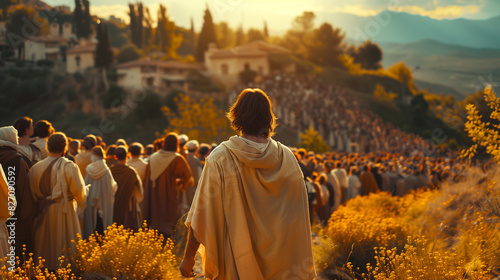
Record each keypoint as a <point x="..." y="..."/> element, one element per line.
<point x="183" y="138"/>
<point x="8" y="137"/>
<point x="192" y="145"/>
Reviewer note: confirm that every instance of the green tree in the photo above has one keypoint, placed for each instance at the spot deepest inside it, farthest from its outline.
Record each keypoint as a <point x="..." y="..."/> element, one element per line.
<point x="23" y="23"/>
<point x="82" y="18"/>
<point x="4" y="6"/>
<point x="192" y="38"/>
<point x="265" y="31"/>
<point x="255" y="35"/>
<point x="297" y="38"/>
<point x="304" y="23"/>
<point x="149" y="108"/>
<point x="117" y="33"/>
<point x="199" y="119"/>
<point x="325" y="47"/>
<point x="128" y="53"/>
<point x="136" y="15"/>
<point x="419" y="108"/>
<point x="207" y="36"/>
<point x="114" y="96"/>
<point x="104" y="53"/>
<point x="382" y="95"/>
<point x="169" y="39"/>
<point x="148" y="33"/>
<point x="369" y="55"/>
<point x="403" y="73"/>
<point x="240" y="36"/>
<point x="226" y="37"/>
<point x="312" y="141"/>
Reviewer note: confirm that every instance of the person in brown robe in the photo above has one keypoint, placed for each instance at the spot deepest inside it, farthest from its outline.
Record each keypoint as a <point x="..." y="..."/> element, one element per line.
<point x="13" y="163"/>
<point x="167" y="176"/>
<point x="126" y="210"/>
<point x="368" y="182"/>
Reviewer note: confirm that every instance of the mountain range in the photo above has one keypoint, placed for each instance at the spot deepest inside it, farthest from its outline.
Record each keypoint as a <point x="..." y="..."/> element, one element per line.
<point x="397" y="27"/>
<point x="456" y="57"/>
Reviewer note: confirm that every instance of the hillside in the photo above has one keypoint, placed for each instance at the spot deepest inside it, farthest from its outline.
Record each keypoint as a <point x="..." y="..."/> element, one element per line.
<point x="446" y="68"/>
<point x="390" y="26"/>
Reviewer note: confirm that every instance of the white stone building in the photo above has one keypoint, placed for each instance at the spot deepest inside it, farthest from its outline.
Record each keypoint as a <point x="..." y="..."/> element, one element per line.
<point x="46" y="47"/>
<point x="227" y="64"/>
<point x="81" y="57"/>
<point x="160" y="76"/>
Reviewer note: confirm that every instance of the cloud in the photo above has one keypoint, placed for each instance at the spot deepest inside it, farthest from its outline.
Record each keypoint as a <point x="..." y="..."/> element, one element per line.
<point x="446" y="12"/>
<point x="358" y="10"/>
<point x="105" y="11"/>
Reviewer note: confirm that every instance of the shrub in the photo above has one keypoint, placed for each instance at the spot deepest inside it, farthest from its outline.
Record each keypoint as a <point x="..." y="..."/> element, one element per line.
<point x="365" y="223"/>
<point x="417" y="261"/>
<point x="123" y="253"/>
<point x="45" y="62"/>
<point x="119" y="254"/>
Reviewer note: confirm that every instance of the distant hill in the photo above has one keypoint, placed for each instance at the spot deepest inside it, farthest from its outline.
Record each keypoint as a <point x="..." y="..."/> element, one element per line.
<point x="446" y="68"/>
<point x="397" y="27"/>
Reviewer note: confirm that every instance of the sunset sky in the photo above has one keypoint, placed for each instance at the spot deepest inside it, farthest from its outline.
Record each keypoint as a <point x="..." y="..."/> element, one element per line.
<point x="280" y="13"/>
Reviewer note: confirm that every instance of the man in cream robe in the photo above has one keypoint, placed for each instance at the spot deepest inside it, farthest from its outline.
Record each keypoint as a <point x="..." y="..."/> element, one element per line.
<point x="100" y="199"/>
<point x="58" y="188"/>
<point x="251" y="213"/>
<point x="341" y="176"/>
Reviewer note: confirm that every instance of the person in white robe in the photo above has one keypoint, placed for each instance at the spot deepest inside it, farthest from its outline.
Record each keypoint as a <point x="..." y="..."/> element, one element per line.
<point x="58" y="188"/>
<point x="98" y="214"/>
<point x="341" y="176"/>
<point x="353" y="183"/>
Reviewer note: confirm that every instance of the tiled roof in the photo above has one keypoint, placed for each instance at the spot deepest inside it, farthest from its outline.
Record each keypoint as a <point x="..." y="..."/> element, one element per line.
<point x="252" y="49"/>
<point x="89" y="48"/>
<point x="158" y="63"/>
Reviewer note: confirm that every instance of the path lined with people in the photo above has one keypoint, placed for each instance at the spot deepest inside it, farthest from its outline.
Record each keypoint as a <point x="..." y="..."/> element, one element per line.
<point x="96" y="184"/>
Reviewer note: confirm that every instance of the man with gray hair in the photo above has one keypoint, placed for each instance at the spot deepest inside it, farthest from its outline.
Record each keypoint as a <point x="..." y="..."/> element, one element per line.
<point x="195" y="166"/>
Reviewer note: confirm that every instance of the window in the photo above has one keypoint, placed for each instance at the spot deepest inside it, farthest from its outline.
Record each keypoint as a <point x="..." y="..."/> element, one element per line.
<point x="150" y="81"/>
<point x="224" y="69"/>
<point x="77" y="58"/>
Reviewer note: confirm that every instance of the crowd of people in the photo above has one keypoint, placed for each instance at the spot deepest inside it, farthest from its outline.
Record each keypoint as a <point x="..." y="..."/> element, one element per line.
<point x="64" y="187"/>
<point x="302" y="101"/>
<point x="68" y="186"/>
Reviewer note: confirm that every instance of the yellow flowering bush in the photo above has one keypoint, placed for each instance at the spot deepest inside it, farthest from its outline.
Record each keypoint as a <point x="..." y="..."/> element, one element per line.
<point x="418" y="261"/>
<point x="365" y="223"/>
<point x="31" y="270"/>
<point x="122" y="253"/>
<point x="484" y="134"/>
<point x="118" y="254"/>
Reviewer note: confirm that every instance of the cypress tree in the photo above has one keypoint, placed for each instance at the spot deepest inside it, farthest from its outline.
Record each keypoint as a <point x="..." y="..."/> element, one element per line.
<point x="266" y="32"/>
<point x="136" y="27"/>
<point x="83" y="20"/>
<point x="240" y="36"/>
<point x="207" y="36"/>
<point x="104" y="54"/>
